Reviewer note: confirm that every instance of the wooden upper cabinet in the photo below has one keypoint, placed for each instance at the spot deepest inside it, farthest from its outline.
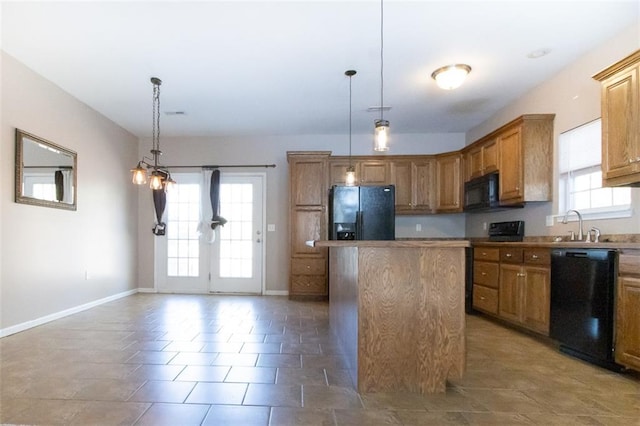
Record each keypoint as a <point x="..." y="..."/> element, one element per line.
<point x="374" y="172"/>
<point x="481" y="159"/>
<point x="338" y="171"/>
<point x="308" y="174"/>
<point x="490" y="157"/>
<point x="511" y="166"/>
<point x="401" y="177"/>
<point x="525" y="159"/>
<point x="449" y="189"/>
<point x="414" y="183"/>
<point x="620" y="103"/>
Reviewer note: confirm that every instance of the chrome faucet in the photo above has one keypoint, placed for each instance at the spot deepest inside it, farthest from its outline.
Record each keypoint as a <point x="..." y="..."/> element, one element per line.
<point x="564" y="220"/>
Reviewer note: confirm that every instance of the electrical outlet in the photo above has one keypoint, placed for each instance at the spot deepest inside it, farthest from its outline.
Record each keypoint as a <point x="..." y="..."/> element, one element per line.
<point x="484" y="226"/>
<point x="271" y="227"/>
<point x="87" y="276"/>
<point x="418" y="227"/>
<point x="549" y="220"/>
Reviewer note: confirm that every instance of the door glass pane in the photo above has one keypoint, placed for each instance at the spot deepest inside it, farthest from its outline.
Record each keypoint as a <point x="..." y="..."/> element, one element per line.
<point x="183" y="251"/>
<point x="236" y="236"/>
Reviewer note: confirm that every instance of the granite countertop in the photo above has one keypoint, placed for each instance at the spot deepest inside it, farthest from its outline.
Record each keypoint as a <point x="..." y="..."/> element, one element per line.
<point x="421" y="243"/>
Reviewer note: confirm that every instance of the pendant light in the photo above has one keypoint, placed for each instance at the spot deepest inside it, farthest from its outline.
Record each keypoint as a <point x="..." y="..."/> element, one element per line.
<point x="350" y="178"/>
<point x="381" y="133"/>
<point x="159" y="176"/>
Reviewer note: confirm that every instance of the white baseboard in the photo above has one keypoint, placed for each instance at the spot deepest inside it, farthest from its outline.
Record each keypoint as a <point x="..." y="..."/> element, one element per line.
<point x="276" y="293"/>
<point x="146" y="290"/>
<point x="52" y="317"/>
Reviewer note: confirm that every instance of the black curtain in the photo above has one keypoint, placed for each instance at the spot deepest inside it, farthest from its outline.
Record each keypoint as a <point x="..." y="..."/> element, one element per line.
<point x="59" y="180"/>
<point x="159" y="202"/>
<point x="214" y="194"/>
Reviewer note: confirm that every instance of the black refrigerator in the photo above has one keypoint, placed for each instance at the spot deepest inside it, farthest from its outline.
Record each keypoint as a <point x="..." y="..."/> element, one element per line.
<point x="362" y="213"/>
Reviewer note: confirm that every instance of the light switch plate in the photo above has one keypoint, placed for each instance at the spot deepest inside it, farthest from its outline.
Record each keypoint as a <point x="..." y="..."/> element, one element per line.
<point x="271" y="227"/>
<point x="549" y="220"/>
<point x="418" y="227"/>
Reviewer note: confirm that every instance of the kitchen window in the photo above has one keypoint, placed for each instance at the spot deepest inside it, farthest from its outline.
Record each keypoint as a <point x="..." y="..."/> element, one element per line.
<point x="580" y="171"/>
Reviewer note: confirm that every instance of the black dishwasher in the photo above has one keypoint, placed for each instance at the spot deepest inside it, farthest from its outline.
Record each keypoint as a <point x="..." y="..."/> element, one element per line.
<point x="582" y="294"/>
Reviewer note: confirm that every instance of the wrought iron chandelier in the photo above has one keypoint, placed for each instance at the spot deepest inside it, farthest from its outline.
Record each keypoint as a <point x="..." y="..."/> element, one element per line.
<point x="158" y="176"/>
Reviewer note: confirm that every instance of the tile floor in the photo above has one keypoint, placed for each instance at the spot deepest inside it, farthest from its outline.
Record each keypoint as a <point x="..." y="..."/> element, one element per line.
<point x="222" y="360"/>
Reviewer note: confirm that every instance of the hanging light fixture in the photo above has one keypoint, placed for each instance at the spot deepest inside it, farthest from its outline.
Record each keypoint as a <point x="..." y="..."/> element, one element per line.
<point x="452" y="76"/>
<point x="381" y="133"/>
<point x="350" y="178"/>
<point x="159" y="176"/>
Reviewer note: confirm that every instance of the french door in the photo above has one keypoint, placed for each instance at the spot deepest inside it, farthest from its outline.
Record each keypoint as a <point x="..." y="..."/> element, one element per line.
<point x="234" y="261"/>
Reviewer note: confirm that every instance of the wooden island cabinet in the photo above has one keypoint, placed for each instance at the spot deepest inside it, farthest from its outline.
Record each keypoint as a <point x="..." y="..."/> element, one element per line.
<point x="397" y="308"/>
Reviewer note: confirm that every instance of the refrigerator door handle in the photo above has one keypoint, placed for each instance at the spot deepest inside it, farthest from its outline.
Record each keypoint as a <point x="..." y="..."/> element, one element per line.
<point x="359" y="225"/>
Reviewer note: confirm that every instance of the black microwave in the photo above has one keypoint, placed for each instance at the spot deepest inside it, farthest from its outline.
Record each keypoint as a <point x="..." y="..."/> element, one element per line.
<point x="481" y="193"/>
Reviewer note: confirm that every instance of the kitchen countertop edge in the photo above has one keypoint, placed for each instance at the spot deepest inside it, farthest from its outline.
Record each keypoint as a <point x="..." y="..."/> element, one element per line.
<point x="394" y="243"/>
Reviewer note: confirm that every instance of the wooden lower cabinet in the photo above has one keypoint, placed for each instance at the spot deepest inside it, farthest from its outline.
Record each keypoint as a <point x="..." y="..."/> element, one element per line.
<point x="628" y="323"/>
<point x="627" y="333"/>
<point x="525" y="288"/>
<point x="513" y="284"/>
<point x="486" y="273"/>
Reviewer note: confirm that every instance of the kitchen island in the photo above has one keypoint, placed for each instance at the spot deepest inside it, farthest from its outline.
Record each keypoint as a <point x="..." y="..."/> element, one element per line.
<point x="397" y="308"/>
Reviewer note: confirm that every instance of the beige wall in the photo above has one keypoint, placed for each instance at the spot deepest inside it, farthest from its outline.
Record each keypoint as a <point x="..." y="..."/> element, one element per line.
<point x="575" y="99"/>
<point x="272" y="150"/>
<point x="46" y="252"/>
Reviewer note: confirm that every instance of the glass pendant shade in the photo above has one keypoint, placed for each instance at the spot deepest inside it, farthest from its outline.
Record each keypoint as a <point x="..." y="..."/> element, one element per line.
<point x="381" y="136"/>
<point x="156" y="181"/>
<point x="139" y="175"/>
<point x="169" y="184"/>
<point x="350" y="178"/>
<point x="452" y="76"/>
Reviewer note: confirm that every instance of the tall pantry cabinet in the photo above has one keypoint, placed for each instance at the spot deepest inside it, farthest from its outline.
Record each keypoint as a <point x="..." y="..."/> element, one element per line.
<point x="308" y="220"/>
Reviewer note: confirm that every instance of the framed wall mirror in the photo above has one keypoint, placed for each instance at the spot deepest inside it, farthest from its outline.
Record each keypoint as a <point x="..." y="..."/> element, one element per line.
<point x="46" y="173"/>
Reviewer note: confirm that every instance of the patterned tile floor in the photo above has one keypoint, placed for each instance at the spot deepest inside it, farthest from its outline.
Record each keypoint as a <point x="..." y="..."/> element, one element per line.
<point x="224" y="360"/>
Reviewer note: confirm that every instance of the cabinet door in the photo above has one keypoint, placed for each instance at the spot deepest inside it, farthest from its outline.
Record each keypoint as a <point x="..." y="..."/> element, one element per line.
<point x="448" y="194"/>
<point x="620" y="154"/>
<point x="490" y="157"/>
<point x="474" y="163"/>
<point x="511" y="173"/>
<point x="374" y="173"/>
<point x="423" y="183"/>
<point x="307" y="182"/>
<point x="307" y="224"/>
<point x="536" y="299"/>
<point x="401" y="171"/>
<point x="628" y="322"/>
<point x="338" y="172"/>
<point x="509" y="292"/>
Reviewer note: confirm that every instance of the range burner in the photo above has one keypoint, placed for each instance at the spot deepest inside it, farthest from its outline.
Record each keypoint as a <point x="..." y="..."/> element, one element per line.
<point x="506" y="231"/>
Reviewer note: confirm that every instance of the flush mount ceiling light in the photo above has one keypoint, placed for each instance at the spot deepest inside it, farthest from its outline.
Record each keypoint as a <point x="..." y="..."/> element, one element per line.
<point x="451" y="76"/>
<point x="381" y="133"/>
<point x="159" y="176"/>
<point x="350" y="178"/>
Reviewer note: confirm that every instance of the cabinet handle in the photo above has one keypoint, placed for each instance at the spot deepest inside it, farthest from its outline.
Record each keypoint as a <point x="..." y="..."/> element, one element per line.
<point x="483" y="273"/>
<point x="508" y="255"/>
<point x="521" y="275"/>
<point x="482" y="298"/>
<point x="484" y="253"/>
<point x="534" y="256"/>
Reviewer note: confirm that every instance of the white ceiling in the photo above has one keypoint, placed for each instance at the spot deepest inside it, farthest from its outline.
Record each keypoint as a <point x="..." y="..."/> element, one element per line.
<point x="267" y="67"/>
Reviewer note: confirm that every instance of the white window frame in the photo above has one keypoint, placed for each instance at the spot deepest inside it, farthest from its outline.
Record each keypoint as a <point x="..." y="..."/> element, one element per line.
<point x="566" y="171"/>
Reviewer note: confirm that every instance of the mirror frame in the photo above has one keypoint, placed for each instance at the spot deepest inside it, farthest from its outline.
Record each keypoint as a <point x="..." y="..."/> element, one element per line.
<point x="19" y="197"/>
